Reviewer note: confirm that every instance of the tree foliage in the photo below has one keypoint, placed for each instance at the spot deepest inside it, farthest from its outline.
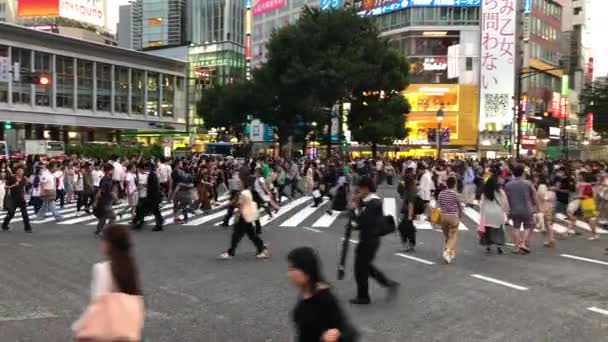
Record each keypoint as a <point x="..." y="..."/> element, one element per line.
<point x="594" y="98"/>
<point x="324" y="58"/>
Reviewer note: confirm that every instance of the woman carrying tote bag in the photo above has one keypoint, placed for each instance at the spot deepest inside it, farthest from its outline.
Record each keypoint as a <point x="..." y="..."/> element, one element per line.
<point x="494" y="208"/>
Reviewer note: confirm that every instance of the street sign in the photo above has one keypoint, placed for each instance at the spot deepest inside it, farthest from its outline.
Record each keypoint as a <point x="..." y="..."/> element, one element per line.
<point x="257" y="131"/>
<point x="5" y="69"/>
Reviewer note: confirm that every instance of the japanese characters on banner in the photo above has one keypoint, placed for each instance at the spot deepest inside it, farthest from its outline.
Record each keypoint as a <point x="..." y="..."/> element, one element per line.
<point x="497" y="78"/>
<point x="555" y="105"/>
<point x="563" y="107"/>
<point x="264" y="6"/>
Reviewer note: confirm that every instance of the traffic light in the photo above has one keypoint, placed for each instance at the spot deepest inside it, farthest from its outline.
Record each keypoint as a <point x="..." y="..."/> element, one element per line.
<point x="344" y="143"/>
<point x="38" y="78"/>
<point x="8" y="125"/>
<point x="507" y="144"/>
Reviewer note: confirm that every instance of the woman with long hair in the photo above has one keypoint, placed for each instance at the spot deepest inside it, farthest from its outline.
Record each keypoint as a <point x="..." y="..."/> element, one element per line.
<point x="245" y="224"/>
<point x="116" y="312"/>
<point x="317" y="315"/>
<point x="494" y="208"/>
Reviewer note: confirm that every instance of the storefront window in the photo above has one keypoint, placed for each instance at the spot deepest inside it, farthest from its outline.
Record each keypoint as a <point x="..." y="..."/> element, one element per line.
<point x="42" y="63"/>
<point x="153" y="90"/>
<point x="85" y="84"/>
<point x="431" y="98"/>
<point x="168" y="95"/>
<point x="137" y="91"/>
<point x="121" y="89"/>
<point x="65" y="81"/>
<point x="104" y="87"/>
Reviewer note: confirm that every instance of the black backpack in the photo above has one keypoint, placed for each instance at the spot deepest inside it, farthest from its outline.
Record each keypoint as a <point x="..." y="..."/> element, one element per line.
<point x="386" y="225"/>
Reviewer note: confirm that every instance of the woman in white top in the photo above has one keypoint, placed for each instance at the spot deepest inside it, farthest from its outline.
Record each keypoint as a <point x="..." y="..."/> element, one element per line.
<point x="116" y="308"/>
<point x="546" y="200"/>
<point x="119" y="272"/>
<point x="494" y="208"/>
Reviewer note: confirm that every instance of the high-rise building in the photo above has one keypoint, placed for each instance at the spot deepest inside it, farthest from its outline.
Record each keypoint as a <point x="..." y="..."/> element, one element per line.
<point x="124" y="27"/>
<point x="7" y="11"/>
<point x="158" y="23"/>
<point x="442" y="46"/>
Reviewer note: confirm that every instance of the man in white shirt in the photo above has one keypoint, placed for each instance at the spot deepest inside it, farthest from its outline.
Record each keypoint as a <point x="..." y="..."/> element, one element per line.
<point x="118" y="177"/>
<point x="164" y="177"/>
<point x="426" y="186"/>
<point x="48" y="193"/>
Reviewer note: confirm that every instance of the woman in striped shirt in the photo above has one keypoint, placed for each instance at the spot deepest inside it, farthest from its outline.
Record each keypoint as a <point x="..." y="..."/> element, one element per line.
<point x="451" y="210"/>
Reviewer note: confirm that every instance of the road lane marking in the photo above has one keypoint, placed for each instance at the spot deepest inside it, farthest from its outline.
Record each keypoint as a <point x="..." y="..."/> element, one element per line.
<point x="206" y="218"/>
<point x="266" y="219"/>
<point x="302" y="215"/>
<point x="415" y="259"/>
<point x="499" y="282"/>
<point x="326" y="220"/>
<point x="581" y="224"/>
<point x="584" y="259"/>
<point x="598" y="310"/>
<point x="389" y="207"/>
<point x="312" y="230"/>
<point x="352" y="241"/>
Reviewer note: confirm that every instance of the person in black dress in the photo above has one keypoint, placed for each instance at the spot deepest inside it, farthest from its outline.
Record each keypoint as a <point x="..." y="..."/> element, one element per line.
<point x="15" y="188"/>
<point x="317" y="315"/>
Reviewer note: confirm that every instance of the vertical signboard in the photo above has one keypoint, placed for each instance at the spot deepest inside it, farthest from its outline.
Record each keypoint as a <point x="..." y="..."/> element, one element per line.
<point x="330" y="4"/>
<point x="555" y="105"/>
<point x="264" y="6"/>
<point x="248" y="39"/>
<point x="453" y="61"/>
<point x="563" y="108"/>
<point x="497" y="82"/>
<point x="589" y="126"/>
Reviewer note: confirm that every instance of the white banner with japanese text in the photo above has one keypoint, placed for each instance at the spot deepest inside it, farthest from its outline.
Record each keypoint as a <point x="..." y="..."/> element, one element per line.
<point x="497" y="78"/>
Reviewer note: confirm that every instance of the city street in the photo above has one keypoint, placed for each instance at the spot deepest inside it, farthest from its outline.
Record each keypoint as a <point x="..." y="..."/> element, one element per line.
<point x="190" y="295"/>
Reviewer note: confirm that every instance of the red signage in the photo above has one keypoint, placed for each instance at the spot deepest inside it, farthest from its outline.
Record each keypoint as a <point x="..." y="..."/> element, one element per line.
<point x="248" y="46"/>
<point x="589" y="127"/>
<point x="37" y="8"/>
<point x="555" y="108"/>
<point x="528" y="142"/>
<point x="563" y="107"/>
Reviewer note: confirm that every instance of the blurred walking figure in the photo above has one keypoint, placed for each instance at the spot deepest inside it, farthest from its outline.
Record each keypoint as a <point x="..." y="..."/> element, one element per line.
<point x="546" y="200"/>
<point x="494" y="208"/>
<point x="48" y="194"/>
<point x="105" y="198"/>
<point x="317" y="315"/>
<point x="247" y="215"/>
<point x="15" y="187"/>
<point x="451" y="212"/>
<point x="522" y="201"/>
<point x="116" y="311"/>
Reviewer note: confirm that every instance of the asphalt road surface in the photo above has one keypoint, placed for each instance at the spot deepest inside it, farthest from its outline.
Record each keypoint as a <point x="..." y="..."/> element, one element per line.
<point x="551" y="295"/>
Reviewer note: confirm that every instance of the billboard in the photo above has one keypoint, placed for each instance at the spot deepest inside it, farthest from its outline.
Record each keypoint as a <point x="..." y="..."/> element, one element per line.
<point x="329" y="4"/>
<point x="379" y="7"/>
<point x="37" y="8"/>
<point x="497" y="81"/>
<point x="87" y="11"/>
<point x="264" y="6"/>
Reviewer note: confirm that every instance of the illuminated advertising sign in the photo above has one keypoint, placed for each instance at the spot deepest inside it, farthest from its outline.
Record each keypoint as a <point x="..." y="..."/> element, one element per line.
<point x="248" y="46"/>
<point x="37" y="8"/>
<point x="432" y="97"/>
<point x="264" y="6"/>
<point x="555" y="101"/>
<point x="527" y="6"/>
<point x="329" y="4"/>
<point x="563" y="108"/>
<point x="88" y="11"/>
<point x="435" y="64"/>
<point x="380" y="7"/>
<point x="498" y="20"/>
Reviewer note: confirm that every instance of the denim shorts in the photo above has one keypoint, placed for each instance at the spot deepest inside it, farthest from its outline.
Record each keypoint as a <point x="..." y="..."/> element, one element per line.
<point x="526" y="220"/>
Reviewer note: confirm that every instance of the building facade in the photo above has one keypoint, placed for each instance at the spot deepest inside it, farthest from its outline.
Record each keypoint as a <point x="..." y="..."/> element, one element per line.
<point x="124" y="27"/>
<point x="96" y="93"/>
<point x="158" y="23"/>
<point x="442" y="47"/>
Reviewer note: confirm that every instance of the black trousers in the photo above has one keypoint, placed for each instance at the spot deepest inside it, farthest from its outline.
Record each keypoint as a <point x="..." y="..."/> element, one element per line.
<point x="61" y="197"/>
<point x="234" y="196"/>
<point x="85" y="200"/>
<point x="36" y="202"/>
<point x="364" y="256"/>
<point x="240" y="229"/>
<point x="294" y="187"/>
<point x="11" y="213"/>
<point x="147" y="206"/>
<point x="407" y="231"/>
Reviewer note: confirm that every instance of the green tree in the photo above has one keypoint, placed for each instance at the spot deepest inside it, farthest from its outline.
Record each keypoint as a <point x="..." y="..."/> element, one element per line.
<point x="378" y="120"/>
<point x="594" y="99"/>
<point x="324" y="58"/>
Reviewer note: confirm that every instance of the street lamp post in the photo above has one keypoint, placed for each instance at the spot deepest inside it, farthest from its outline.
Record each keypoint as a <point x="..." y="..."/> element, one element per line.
<point x="438" y="135"/>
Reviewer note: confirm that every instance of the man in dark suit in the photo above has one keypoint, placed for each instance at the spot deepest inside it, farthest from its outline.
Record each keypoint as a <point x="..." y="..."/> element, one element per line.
<point x="368" y="215"/>
<point x="151" y="203"/>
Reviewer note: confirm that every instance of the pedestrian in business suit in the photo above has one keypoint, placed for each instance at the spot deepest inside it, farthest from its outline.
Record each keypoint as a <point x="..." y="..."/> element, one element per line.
<point x="368" y="215"/>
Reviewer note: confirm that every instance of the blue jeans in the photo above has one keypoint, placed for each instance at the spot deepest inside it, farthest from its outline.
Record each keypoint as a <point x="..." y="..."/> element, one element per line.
<point x="48" y="204"/>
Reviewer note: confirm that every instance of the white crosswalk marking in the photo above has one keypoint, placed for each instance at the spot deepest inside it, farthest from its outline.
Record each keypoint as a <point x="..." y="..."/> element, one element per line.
<point x="266" y="219"/>
<point x="206" y="218"/>
<point x="326" y="220"/>
<point x="389" y="207"/>
<point x="581" y="224"/>
<point x="301" y="215"/>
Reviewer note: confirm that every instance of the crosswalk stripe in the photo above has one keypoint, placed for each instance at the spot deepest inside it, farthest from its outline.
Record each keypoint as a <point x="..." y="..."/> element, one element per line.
<point x="266" y="219"/>
<point x="206" y="218"/>
<point x="302" y="215"/>
<point x="125" y="218"/>
<point x="474" y="215"/>
<point x="581" y="224"/>
<point x="72" y="214"/>
<point x="48" y="215"/>
<point x="326" y="220"/>
<point x="30" y="209"/>
<point x="389" y="207"/>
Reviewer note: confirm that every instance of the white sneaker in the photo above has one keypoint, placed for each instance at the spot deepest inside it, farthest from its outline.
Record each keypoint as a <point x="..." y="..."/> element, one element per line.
<point x="225" y="256"/>
<point x="263" y="255"/>
<point x="447" y="257"/>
